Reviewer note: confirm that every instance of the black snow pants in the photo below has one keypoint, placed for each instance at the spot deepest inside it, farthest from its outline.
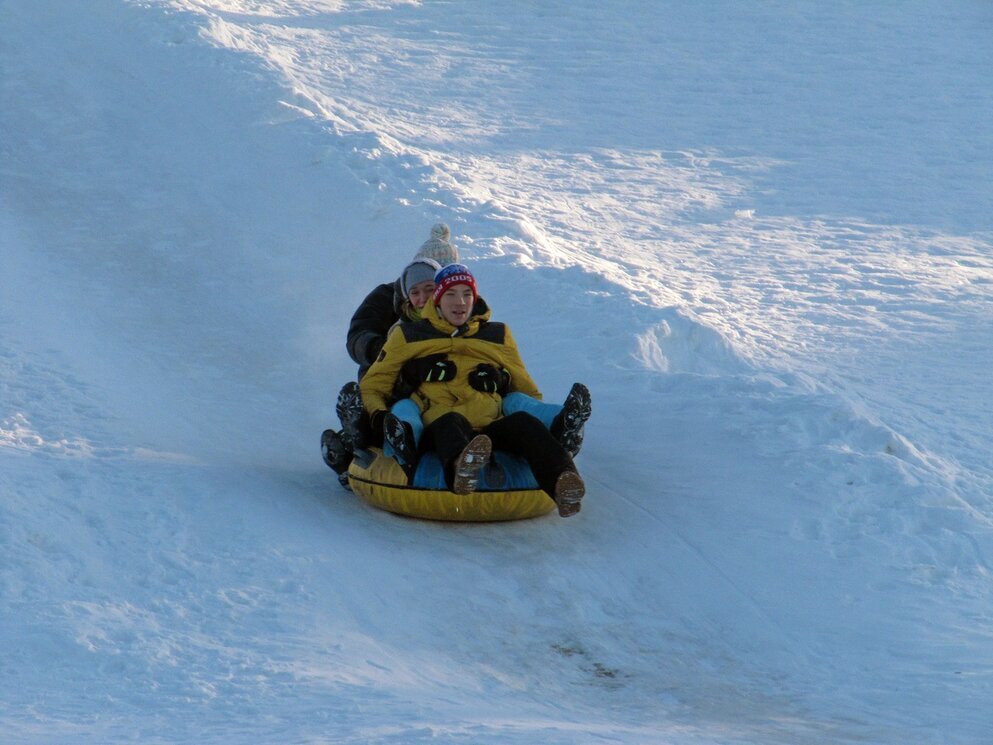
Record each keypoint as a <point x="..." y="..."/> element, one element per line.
<point x="519" y="433"/>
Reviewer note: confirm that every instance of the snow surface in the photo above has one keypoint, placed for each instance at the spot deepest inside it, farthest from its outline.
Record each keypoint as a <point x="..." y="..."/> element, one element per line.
<point x="760" y="232"/>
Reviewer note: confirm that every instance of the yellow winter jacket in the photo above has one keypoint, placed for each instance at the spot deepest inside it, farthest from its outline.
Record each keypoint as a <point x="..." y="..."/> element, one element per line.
<point x="479" y="341"/>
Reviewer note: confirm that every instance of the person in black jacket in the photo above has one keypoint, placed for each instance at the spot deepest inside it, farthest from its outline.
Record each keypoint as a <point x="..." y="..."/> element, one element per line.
<point x="384" y="305"/>
<point x="367" y="332"/>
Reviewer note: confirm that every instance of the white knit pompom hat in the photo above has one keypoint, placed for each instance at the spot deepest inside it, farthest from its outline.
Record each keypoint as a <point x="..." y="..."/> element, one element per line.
<point x="438" y="246"/>
<point x="419" y="270"/>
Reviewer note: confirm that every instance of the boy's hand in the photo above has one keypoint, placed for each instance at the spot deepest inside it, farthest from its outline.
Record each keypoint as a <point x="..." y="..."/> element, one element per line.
<point x="435" y="368"/>
<point x="490" y="379"/>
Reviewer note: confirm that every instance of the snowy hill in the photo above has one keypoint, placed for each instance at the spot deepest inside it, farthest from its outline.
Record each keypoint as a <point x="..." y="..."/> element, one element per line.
<point x="760" y="232"/>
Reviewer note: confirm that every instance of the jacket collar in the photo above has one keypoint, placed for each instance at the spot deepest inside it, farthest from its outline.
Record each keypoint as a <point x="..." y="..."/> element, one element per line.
<point x="480" y="314"/>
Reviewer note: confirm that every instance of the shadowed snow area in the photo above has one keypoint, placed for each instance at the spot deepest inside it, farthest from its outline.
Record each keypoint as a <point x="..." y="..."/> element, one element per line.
<point x="759" y="232"/>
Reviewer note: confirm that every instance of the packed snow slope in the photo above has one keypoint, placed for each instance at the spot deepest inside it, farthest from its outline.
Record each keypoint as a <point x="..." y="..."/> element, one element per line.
<point x="760" y="232"/>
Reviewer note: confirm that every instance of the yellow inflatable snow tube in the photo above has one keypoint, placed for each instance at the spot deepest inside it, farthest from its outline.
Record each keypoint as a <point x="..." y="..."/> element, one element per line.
<point x="382" y="483"/>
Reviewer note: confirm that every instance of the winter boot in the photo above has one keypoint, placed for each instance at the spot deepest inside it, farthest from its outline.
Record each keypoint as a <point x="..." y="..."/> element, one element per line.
<point x="567" y="427"/>
<point x="474" y="457"/>
<point x="352" y="415"/>
<point x="400" y="436"/>
<point x="569" y="491"/>
<point x="334" y="452"/>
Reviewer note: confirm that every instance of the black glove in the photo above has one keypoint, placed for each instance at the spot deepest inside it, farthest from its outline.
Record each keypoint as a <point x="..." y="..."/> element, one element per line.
<point x="435" y="368"/>
<point x="490" y="379"/>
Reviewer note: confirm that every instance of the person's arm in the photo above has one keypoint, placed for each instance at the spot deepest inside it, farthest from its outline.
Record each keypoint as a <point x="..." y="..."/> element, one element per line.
<point x="370" y="325"/>
<point x="520" y="379"/>
<point x="377" y="384"/>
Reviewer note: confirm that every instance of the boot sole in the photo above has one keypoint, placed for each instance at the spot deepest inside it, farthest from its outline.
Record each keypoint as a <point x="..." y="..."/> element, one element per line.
<point x="349" y="410"/>
<point x="576" y="412"/>
<point x="569" y="493"/>
<point x="397" y="432"/>
<point x="472" y="460"/>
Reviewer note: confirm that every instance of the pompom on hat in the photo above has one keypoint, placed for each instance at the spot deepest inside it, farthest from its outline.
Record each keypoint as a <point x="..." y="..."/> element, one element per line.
<point x="419" y="270"/>
<point x="439" y="246"/>
<point x="451" y="275"/>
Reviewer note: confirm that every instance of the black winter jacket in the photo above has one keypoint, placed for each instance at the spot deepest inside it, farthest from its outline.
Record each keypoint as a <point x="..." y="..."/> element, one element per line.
<point x="372" y="322"/>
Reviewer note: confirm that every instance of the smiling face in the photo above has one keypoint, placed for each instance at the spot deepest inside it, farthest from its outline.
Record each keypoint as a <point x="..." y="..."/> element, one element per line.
<point x="456" y="304"/>
<point x="420" y="293"/>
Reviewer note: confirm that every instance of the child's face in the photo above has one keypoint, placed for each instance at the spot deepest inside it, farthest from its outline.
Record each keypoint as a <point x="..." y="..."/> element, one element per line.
<point x="456" y="304"/>
<point x="420" y="293"/>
